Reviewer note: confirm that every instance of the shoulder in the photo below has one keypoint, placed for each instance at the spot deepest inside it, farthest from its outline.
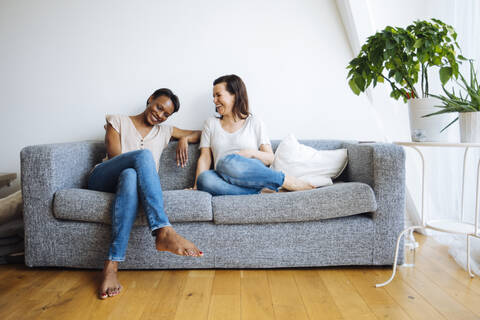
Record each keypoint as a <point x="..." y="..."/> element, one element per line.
<point x="115" y="120"/>
<point x="210" y="122"/>
<point x="111" y="117"/>
<point x="255" y="121"/>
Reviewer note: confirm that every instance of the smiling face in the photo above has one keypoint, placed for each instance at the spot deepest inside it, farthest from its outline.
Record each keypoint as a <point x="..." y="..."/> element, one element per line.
<point x="158" y="110"/>
<point x="223" y="99"/>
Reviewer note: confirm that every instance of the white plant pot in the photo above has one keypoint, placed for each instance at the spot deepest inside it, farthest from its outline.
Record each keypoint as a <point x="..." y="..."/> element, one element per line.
<point x="428" y="129"/>
<point x="469" y="126"/>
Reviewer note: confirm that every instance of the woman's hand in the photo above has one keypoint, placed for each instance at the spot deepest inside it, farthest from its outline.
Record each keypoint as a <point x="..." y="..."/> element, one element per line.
<point x="182" y="152"/>
<point x="265" y="154"/>
<point x="247" y="153"/>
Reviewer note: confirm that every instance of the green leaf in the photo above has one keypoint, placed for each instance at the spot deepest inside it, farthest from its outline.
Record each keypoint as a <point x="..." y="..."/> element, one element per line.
<point x="448" y="125"/>
<point x="398" y="77"/>
<point x="380" y="79"/>
<point x="418" y="43"/>
<point x="354" y="87"/>
<point x="445" y="74"/>
<point x="360" y="82"/>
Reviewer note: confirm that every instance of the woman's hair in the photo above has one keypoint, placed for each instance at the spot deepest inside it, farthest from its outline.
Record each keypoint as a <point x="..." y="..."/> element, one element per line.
<point x="167" y="93"/>
<point x="235" y="86"/>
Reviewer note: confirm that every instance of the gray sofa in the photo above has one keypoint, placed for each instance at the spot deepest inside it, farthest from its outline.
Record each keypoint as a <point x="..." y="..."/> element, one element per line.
<point x="353" y="222"/>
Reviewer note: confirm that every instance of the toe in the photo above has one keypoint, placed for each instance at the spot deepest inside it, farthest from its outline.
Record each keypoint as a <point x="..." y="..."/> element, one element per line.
<point x="110" y="292"/>
<point x="103" y="295"/>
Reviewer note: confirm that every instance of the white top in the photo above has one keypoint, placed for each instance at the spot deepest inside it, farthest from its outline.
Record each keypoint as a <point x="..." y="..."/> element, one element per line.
<point x="155" y="141"/>
<point x="250" y="136"/>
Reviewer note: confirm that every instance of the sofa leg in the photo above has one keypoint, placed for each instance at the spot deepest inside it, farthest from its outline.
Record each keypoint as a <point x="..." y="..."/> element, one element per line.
<point x="396" y="255"/>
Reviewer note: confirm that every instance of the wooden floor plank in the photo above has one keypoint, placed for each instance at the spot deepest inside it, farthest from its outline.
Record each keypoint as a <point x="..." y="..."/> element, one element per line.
<point x="256" y="296"/>
<point x="286" y="299"/>
<point x="224" y="307"/>
<point x="166" y="295"/>
<point x="195" y="300"/>
<point x="17" y="290"/>
<point x="225" y="303"/>
<point x="414" y="304"/>
<point x="463" y="294"/>
<point x="316" y="298"/>
<point x="27" y="302"/>
<point x="437" y="297"/>
<point x="226" y="282"/>
<point x="345" y="296"/>
<point x="81" y="295"/>
<point x="439" y="253"/>
<point x="378" y="299"/>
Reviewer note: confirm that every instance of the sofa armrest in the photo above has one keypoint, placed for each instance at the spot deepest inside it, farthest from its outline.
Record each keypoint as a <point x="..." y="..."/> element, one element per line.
<point x="382" y="166"/>
<point x="51" y="167"/>
<point x="45" y="169"/>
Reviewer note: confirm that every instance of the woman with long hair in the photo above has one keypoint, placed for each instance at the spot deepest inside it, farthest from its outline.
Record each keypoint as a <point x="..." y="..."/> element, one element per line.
<point x="239" y="147"/>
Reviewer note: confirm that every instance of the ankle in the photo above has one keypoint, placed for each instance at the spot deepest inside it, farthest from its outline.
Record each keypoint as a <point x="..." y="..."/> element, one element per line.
<point x="110" y="266"/>
<point x="164" y="231"/>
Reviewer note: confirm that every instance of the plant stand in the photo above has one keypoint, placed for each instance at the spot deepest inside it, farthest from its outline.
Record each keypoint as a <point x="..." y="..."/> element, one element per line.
<point x="449" y="226"/>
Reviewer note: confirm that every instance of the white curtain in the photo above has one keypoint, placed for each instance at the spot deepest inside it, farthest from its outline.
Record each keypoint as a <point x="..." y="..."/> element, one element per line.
<point x="443" y="172"/>
<point x="464" y="15"/>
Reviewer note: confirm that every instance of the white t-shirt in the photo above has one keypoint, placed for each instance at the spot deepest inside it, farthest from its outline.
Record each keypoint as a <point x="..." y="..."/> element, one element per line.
<point x="155" y="141"/>
<point x="250" y="136"/>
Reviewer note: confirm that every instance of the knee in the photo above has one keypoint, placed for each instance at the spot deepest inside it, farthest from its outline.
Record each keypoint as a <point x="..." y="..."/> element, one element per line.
<point x="206" y="181"/>
<point x="231" y="166"/>
<point x="128" y="181"/>
<point x="144" y="156"/>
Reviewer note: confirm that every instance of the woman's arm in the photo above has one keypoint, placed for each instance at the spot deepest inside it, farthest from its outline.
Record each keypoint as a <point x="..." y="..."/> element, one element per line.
<point x="204" y="163"/>
<point x="112" y="142"/>
<point x="264" y="154"/>
<point x="192" y="136"/>
<point x="184" y="137"/>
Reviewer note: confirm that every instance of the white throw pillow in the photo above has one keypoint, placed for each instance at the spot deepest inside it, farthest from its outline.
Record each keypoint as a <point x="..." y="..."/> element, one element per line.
<point x="317" y="167"/>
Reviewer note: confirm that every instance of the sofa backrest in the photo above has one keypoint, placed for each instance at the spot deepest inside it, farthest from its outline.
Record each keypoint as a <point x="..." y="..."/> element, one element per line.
<point x="174" y="178"/>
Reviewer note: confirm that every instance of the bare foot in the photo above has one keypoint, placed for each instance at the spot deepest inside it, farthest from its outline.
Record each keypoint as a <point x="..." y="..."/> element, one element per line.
<point x="293" y="184"/>
<point x="266" y="190"/>
<point x="110" y="286"/>
<point x="169" y="240"/>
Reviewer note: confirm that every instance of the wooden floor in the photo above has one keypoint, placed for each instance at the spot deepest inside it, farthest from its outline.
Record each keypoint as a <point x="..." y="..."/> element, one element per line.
<point x="436" y="288"/>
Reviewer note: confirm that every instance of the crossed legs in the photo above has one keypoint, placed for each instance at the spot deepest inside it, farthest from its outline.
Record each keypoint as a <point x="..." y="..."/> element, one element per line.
<point x="133" y="178"/>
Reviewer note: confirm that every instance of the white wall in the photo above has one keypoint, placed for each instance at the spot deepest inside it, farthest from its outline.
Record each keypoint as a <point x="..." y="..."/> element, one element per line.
<point x="65" y="64"/>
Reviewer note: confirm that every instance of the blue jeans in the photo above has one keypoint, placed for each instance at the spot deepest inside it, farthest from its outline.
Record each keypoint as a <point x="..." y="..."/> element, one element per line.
<point x="236" y="175"/>
<point x="133" y="177"/>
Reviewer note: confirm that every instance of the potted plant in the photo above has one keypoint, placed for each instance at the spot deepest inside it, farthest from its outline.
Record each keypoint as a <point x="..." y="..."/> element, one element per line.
<point x="467" y="106"/>
<point x="398" y="56"/>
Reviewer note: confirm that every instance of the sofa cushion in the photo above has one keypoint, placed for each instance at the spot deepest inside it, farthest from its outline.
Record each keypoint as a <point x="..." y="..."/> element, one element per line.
<point x="94" y="206"/>
<point x="338" y="200"/>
